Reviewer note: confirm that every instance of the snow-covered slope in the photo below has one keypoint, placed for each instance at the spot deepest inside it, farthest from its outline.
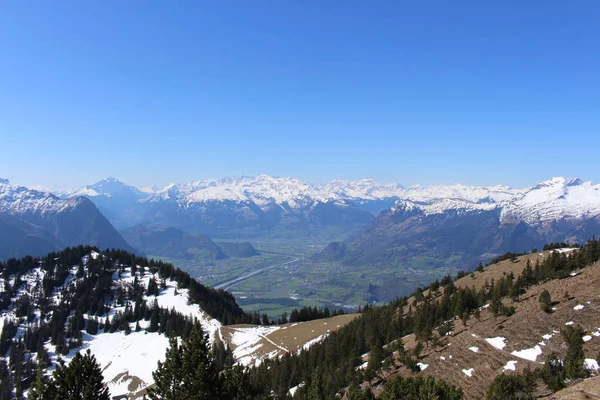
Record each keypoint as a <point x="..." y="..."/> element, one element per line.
<point x="555" y="199"/>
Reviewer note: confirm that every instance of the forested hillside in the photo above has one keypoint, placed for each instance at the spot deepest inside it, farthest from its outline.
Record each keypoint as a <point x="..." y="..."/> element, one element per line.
<point x="53" y="305"/>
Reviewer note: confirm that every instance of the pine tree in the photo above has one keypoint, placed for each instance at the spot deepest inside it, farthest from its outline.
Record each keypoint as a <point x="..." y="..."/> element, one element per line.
<point x="154" y="318"/>
<point x="6" y="385"/>
<point x="545" y="301"/>
<point x="315" y="391"/>
<point x="188" y="372"/>
<point x="39" y="386"/>
<point x="236" y="384"/>
<point x="82" y="379"/>
<point x="167" y="379"/>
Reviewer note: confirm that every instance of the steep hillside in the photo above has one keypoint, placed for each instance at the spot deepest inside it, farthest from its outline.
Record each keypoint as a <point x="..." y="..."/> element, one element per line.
<point x="34" y="223"/>
<point x="479" y="348"/>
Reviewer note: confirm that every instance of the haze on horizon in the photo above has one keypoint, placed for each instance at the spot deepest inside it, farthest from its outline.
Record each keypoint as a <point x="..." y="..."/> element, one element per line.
<point x="471" y="93"/>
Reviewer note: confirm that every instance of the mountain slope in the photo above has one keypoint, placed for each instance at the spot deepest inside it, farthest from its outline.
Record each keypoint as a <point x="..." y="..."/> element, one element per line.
<point x="473" y="354"/>
<point x="34" y="222"/>
<point x="121" y="307"/>
<point x="175" y="243"/>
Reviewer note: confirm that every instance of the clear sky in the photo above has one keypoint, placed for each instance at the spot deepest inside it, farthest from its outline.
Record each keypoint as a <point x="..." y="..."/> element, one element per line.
<point x="476" y="92"/>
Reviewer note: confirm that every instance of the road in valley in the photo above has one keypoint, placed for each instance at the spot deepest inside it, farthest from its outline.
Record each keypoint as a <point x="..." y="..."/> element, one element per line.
<point x="229" y="284"/>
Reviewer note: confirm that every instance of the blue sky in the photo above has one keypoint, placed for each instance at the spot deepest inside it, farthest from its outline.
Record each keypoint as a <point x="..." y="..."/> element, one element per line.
<point x="424" y="92"/>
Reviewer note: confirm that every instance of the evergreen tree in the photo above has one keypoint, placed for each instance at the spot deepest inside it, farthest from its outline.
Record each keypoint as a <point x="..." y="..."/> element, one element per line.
<point x="419" y="388"/>
<point x="154" y="318"/>
<point x="508" y="387"/>
<point x="188" y="372"/>
<point x="545" y="301"/>
<point x="236" y="384"/>
<point x="315" y="390"/>
<point x="80" y="380"/>
<point x="6" y="385"/>
<point x="167" y="379"/>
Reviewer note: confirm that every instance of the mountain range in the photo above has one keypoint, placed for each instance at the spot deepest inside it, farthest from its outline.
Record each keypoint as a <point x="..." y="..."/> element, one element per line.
<point x="379" y="224"/>
<point x="460" y="223"/>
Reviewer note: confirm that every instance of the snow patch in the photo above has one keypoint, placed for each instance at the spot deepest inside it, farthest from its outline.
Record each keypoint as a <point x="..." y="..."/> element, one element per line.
<point x="578" y="307"/>
<point x="528" y="354"/>
<point x="590" y="363"/>
<point x="468" y="372"/>
<point x="474" y="349"/>
<point x="422" y="366"/>
<point x="497" y="342"/>
<point x="511" y="365"/>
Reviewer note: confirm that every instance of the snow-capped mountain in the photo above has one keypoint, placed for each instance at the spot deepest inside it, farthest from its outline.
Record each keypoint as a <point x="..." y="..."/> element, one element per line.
<point x="552" y="200"/>
<point x="261" y="190"/>
<point x="34" y="222"/>
<point x="469" y="224"/>
<point x="365" y="189"/>
<point x="19" y="200"/>
<point x="107" y="187"/>
<point x="240" y="206"/>
<point x="251" y="206"/>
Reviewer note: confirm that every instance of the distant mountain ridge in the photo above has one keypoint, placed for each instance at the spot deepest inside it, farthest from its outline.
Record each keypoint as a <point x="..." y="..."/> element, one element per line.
<point x="175" y="243"/>
<point x="264" y="205"/>
<point x="34" y="222"/>
<point x="422" y="231"/>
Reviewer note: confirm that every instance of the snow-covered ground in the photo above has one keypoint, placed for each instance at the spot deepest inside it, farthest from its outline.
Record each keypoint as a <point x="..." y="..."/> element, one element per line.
<point x="246" y="342"/>
<point x="127" y="361"/>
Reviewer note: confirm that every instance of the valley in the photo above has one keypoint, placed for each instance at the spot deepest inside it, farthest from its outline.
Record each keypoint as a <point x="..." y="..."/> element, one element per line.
<point x="284" y="276"/>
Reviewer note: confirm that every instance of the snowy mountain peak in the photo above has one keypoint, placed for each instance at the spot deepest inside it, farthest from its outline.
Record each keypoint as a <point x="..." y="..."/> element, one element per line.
<point x="16" y="199"/>
<point x="555" y="199"/>
<point x="4" y="181"/>
<point x="551" y="200"/>
<point x="559" y="182"/>
<point x="107" y="187"/>
<point x="366" y="189"/>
